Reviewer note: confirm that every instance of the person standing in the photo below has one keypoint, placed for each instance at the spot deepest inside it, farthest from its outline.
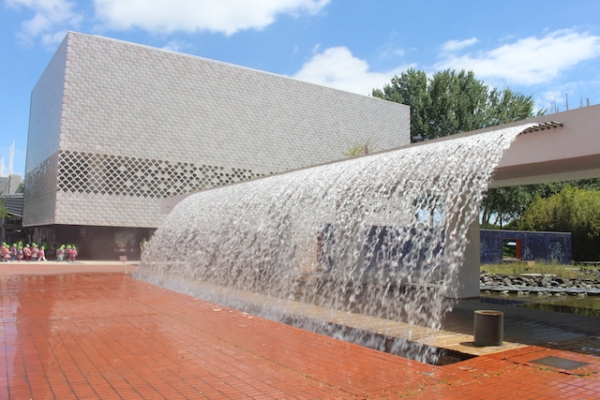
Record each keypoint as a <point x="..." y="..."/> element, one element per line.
<point x="42" y="254"/>
<point x="73" y="253"/>
<point x="13" y="252"/>
<point x="34" y="252"/>
<point x="143" y="246"/>
<point x="5" y="252"/>
<point x="27" y="252"/>
<point x="60" y="252"/>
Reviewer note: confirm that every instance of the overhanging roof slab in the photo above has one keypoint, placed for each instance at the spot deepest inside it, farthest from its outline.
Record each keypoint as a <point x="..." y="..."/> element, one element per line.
<point x="553" y="155"/>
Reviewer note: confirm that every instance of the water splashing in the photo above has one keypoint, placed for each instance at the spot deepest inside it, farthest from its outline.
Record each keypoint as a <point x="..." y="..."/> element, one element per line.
<point x="376" y="239"/>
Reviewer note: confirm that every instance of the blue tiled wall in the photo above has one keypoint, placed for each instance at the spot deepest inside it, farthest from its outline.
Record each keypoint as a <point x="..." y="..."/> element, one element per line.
<point x="546" y="246"/>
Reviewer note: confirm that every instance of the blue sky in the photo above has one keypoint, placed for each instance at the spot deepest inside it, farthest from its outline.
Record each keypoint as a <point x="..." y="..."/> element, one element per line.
<point x="548" y="49"/>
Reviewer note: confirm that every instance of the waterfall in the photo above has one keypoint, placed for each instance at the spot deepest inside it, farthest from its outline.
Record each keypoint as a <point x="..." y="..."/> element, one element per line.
<point x="379" y="236"/>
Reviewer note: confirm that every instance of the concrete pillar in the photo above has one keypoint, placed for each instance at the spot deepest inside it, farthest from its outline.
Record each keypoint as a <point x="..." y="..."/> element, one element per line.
<point x="466" y="280"/>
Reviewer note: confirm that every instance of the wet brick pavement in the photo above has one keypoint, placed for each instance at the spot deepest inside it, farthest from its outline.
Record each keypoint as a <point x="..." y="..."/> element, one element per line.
<point x="109" y="336"/>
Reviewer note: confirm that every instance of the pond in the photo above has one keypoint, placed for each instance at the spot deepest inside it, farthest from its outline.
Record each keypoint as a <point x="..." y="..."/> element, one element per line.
<point x="589" y="306"/>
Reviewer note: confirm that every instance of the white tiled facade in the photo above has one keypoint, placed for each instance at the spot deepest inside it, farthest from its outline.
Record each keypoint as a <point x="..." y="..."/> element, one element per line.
<point x="117" y="127"/>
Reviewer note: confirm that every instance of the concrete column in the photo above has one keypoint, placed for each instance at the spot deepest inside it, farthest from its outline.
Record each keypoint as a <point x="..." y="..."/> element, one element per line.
<point x="466" y="280"/>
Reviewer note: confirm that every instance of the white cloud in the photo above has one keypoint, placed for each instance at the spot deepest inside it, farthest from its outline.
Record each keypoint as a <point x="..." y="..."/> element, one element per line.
<point x="49" y="20"/>
<point x="390" y="51"/>
<point x="336" y="67"/>
<point x="176" y="45"/>
<point x="53" y="37"/>
<point x="224" y="16"/>
<point x="455" y="45"/>
<point x="529" y="61"/>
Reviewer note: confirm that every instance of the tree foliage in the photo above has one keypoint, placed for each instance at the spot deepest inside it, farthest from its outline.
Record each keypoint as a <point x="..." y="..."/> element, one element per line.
<point x="3" y="210"/>
<point x="451" y="102"/>
<point x="502" y="207"/>
<point x="572" y="210"/>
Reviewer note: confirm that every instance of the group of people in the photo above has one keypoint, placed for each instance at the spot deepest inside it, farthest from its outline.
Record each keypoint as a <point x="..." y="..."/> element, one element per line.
<point x="66" y="253"/>
<point x="33" y="252"/>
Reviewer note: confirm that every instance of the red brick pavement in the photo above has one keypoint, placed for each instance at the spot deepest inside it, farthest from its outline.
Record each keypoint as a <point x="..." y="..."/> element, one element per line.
<point x="109" y="336"/>
<point x="53" y="268"/>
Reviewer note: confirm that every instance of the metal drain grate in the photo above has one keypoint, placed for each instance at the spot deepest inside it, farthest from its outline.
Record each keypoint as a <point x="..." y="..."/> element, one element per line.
<point x="560" y="363"/>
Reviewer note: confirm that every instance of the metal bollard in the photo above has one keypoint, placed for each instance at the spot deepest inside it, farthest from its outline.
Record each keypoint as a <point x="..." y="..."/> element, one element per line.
<point x="488" y="328"/>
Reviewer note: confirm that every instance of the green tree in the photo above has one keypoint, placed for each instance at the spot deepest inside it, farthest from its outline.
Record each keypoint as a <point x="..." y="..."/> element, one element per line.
<point x="410" y="88"/>
<point x="572" y="210"/>
<point x="507" y="106"/>
<point x="503" y="205"/>
<point x="451" y="102"/>
<point x="3" y="210"/>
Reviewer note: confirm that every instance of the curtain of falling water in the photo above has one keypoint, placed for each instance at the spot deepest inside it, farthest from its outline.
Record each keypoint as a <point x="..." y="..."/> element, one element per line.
<point x="380" y="235"/>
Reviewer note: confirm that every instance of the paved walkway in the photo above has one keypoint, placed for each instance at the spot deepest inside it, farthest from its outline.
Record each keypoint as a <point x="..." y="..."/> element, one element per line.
<point x="65" y="267"/>
<point x="107" y="335"/>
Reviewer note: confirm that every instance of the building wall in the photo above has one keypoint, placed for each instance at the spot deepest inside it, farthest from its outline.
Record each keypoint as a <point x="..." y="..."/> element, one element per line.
<point x="43" y="141"/>
<point x="9" y="184"/>
<point x="139" y="124"/>
<point x="535" y="246"/>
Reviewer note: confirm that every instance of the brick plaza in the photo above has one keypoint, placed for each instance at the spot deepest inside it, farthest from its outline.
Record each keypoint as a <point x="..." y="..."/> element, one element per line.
<point x="106" y="335"/>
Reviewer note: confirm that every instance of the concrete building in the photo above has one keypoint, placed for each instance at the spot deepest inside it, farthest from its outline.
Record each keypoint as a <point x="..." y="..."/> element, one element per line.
<point x="11" y="196"/>
<point x="10" y="184"/>
<point x="11" y="227"/>
<point x="116" y="127"/>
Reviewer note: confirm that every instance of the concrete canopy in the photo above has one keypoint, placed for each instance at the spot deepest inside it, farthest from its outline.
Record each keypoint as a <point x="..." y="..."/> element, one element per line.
<point x="553" y="155"/>
<point x="568" y="152"/>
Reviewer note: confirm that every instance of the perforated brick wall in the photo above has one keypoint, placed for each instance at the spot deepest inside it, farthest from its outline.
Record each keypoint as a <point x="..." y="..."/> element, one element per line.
<point x="130" y="125"/>
<point x="106" y="174"/>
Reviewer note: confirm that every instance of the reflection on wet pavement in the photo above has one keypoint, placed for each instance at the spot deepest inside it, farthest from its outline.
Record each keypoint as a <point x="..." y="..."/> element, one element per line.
<point x="105" y="336"/>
